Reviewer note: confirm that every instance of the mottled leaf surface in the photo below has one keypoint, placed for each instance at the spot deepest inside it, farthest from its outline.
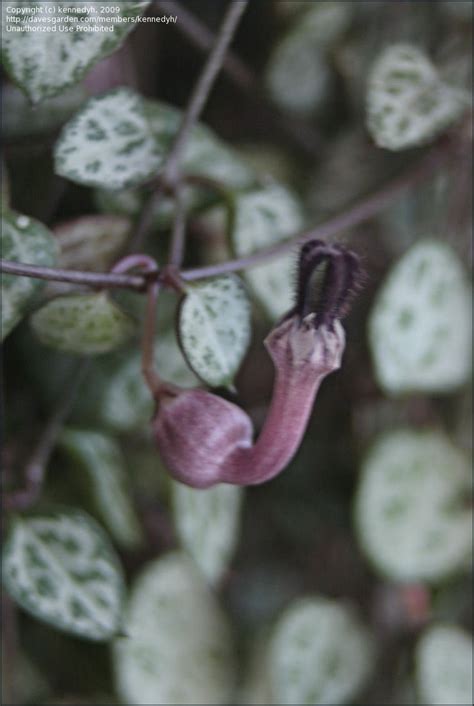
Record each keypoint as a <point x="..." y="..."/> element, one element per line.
<point x="264" y="217"/>
<point x="99" y="455"/>
<point x="25" y="240"/>
<point x="179" y="647"/>
<point x="109" y="143"/>
<point x="92" y="242"/>
<point x="444" y="658"/>
<point x="214" y="328"/>
<point x="43" y="63"/>
<point x="420" y="328"/>
<point x="61" y="568"/>
<point x="407" y="102"/>
<point x="82" y="323"/>
<point x="208" y="523"/>
<point x="319" y="654"/>
<point x="412" y="515"/>
<point x="120" y="140"/>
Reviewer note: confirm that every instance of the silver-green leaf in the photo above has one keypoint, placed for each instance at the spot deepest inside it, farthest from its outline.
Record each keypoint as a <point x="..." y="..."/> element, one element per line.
<point x="420" y="328"/>
<point x="407" y="102"/>
<point x="264" y="217"/>
<point x="411" y="513"/>
<point x="214" y="328"/>
<point x="207" y="523"/>
<point x="120" y="140"/>
<point x="179" y="647"/>
<point x="44" y="53"/>
<point x="92" y="242"/>
<point x="319" y="654"/>
<point x="61" y="568"/>
<point x="25" y="240"/>
<point x="444" y="657"/>
<point x="100" y="456"/>
<point x="85" y="324"/>
<point x="109" y="143"/>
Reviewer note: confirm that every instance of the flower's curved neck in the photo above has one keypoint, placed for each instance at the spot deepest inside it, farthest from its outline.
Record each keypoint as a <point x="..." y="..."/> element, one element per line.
<point x="281" y="435"/>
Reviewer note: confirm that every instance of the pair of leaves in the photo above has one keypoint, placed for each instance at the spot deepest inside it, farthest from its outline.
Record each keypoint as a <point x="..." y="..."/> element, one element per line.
<point x="33" y="55"/>
<point x="61" y="568"/>
<point x="421" y="322"/>
<point x="408" y="104"/>
<point x="120" y="140"/>
<point x="179" y="647"/>
<point x="411" y="512"/>
<point x="24" y="240"/>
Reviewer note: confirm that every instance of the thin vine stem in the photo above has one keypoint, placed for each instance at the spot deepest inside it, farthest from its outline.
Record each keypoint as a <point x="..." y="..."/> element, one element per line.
<point x="361" y="212"/>
<point x="35" y="470"/>
<point x="170" y="173"/>
<point x="149" y="266"/>
<point x="296" y="130"/>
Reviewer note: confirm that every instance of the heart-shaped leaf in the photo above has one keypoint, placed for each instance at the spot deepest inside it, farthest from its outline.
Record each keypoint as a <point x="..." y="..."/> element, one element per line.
<point x="50" y="46"/>
<point x="444" y="657"/>
<point x="319" y="654"/>
<point x="92" y="242"/>
<point x="178" y="649"/>
<point x="82" y="323"/>
<point x="100" y="457"/>
<point x="22" y="240"/>
<point x="109" y="143"/>
<point x="264" y="217"/>
<point x="407" y="102"/>
<point x="411" y="511"/>
<point x="420" y="326"/>
<point x="119" y="140"/>
<point x="61" y="568"/>
<point x="214" y="328"/>
<point x="207" y="523"/>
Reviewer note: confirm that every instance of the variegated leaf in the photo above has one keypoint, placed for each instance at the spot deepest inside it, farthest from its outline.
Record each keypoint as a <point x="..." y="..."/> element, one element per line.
<point x="47" y="47"/>
<point x="444" y="658"/>
<point x="207" y="523"/>
<point x="411" y="511"/>
<point x="100" y="456"/>
<point x="407" y="102"/>
<point x="262" y="218"/>
<point x="420" y="328"/>
<point x="22" y="240"/>
<point x="179" y="647"/>
<point x="61" y="568"/>
<point x="214" y="328"/>
<point x="83" y="324"/>
<point x="92" y="242"/>
<point x="319" y="654"/>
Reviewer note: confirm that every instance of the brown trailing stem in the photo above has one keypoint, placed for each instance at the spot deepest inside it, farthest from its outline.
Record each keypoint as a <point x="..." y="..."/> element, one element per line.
<point x="296" y="130"/>
<point x="148" y="265"/>
<point x="35" y="470"/>
<point x="364" y="210"/>
<point x="169" y="175"/>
